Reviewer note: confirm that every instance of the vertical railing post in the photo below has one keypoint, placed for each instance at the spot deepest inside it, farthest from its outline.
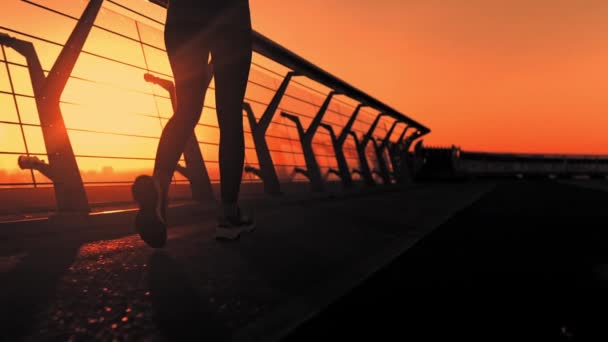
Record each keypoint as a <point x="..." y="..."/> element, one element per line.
<point x="378" y="167"/>
<point x="313" y="172"/>
<point x="382" y="164"/>
<point x="195" y="170"/>
<point x="394" y="150"/>
<point x="62" y="167"/>
<point x="364" y="168"/>
<point x="345" y="174"/>
<point x="259" y="128"/>
<point x="406" y="162"/>
<point x="342" y="169"/>
<point x="417" y="161"/>
<point x="369" y="135"/>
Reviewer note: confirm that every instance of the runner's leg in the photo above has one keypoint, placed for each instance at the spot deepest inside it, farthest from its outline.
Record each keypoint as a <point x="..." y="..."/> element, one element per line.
<point x="188" y="56"/>
<point x="232" y="61"/>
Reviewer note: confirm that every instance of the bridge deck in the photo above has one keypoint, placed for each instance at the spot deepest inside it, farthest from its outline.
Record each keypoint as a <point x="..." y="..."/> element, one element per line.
<point x="528" y="261"/>
<point x="105" y="283"/>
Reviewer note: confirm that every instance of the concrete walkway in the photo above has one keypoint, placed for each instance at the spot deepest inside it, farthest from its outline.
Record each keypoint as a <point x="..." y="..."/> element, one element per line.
<point x="526" y="262"/>
<point x="304" y="254"/>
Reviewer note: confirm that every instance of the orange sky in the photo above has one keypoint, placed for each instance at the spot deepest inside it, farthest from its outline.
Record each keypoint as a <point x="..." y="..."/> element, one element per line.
<point x="510" y="75"/>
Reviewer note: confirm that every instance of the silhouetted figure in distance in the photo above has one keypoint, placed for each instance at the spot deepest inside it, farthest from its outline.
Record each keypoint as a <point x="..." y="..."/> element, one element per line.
<point x="195" y="29"/>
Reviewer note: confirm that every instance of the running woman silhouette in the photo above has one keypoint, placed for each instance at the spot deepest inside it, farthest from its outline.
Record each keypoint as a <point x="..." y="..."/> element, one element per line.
<point x="194" y="30"/>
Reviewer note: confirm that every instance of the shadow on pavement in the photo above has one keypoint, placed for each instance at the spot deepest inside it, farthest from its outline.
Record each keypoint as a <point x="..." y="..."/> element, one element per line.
<point x="31" y="284"/>
<point x="528" y="261"/>
<point x="179" y="311"/>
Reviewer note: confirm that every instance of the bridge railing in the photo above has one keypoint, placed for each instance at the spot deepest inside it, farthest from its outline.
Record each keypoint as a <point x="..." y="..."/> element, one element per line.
<point x="113" y="116"/>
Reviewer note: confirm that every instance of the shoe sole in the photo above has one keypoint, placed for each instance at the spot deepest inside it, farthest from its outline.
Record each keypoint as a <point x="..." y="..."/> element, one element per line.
<point x="233" y="233"/>
<point x="148" y="222"/>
